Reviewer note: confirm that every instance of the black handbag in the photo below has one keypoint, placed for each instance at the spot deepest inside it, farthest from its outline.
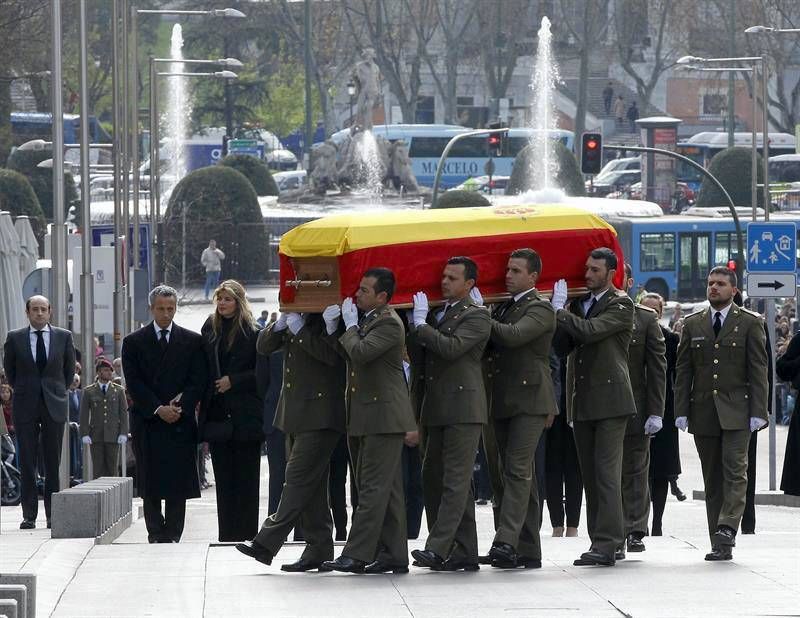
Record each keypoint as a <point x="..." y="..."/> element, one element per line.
<point x="218" y="431"/>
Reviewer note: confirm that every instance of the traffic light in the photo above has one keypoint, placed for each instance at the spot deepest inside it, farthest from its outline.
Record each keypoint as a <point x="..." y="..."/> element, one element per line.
<point x="495" y="140"/>
<point x="591" y="153"/>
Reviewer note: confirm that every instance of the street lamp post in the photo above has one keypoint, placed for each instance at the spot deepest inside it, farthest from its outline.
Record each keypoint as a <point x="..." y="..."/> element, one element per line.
<point x="351" y="92"/>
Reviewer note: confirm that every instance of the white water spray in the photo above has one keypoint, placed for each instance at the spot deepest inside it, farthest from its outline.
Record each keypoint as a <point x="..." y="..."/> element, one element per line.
<point x="178" y="111"/>
<point x="543" y="85"/>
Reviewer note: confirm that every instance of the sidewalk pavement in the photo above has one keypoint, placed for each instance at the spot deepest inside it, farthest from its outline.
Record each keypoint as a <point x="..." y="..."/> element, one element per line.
<point x="199" y="577"/>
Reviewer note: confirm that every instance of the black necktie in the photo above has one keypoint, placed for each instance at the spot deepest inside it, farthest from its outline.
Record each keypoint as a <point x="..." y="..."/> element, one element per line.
<point x="163" y="341"/>
<point x="41" y="352"/>
<point x="104" y="387"/>
<point x="591" y="306"/>
<point x="717" y="323"/>
<point x="503" y="309"/>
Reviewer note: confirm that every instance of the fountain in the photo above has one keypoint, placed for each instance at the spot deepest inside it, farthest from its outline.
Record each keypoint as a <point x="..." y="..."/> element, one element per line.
<point x="176" y="118"/>
<point x="543" y="85"/>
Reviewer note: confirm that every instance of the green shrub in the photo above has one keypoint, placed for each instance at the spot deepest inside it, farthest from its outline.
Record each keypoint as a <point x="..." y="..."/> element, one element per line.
<point x="221" y="204"/>
<point x="732" y="167"/>
<point x="41" y="179"/>
<point x="568" y="178"/>
<point x="17" y="196"/>
<point x="457" y="198"/>
<point x="254" y="170"/>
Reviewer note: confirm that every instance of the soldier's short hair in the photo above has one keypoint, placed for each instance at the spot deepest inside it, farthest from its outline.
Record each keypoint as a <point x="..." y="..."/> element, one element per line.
<point x="533" y="259"/>
<point x="470" y="267"/>
<point x="384" y="281"/>
<point x="727" y="272"/>
<point x="607" y="255"/>
<point x="164" y="291"/>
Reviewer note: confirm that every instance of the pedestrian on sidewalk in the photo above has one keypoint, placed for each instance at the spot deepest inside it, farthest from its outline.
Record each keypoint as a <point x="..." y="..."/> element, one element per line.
<point x="633" y="116"/>
<point x="788" y="369"/>
<point x="608" y="97"/>
<point x="211" y="260"/>
<point x="231" y="411"/>
<point x="619" y="111"/>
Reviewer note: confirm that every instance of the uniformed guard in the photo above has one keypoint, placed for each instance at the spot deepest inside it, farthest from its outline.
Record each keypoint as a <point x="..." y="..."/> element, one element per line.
<point x="522" y="404"/>
<point x="378" y="416"/>
<point x="721" y="390"/>
<point x="104" y="420"/>
<point x="647" y="366"/>
<point x="451" y="340"/>
<point x="311" y="413"/>
<point x="595" y="331"/>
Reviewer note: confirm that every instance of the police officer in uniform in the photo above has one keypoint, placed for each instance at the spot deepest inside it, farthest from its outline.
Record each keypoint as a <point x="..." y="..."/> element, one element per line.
<point x="378" y="417"/>
<point x="522" y="404"/>
<point x="647" y="366"/>
<point x="452" y="339"/>
<point x="595" y="331"/>
<point x="311" y="413"/>
<point x="104" y="420"/>
<point x="721" y="391"/>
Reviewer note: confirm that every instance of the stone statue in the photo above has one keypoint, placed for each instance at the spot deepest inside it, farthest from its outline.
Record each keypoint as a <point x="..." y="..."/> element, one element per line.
<point x="324" y="174"/>
<point x="365" y="75"/>
<point x="400" y="173"/>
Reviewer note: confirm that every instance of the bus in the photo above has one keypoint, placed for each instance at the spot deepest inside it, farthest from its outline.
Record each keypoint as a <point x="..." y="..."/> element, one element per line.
<point x="27" y="126"/>
<point x="467" y="159"/>
<point x="703" y="146"/>
<point x="672" y="254"/>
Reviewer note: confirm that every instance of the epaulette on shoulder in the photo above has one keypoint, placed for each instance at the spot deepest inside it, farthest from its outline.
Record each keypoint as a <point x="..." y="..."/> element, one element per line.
<point x="754" y="314"/>
<point x="640" y="307"/>
<point x="694" y="315"/>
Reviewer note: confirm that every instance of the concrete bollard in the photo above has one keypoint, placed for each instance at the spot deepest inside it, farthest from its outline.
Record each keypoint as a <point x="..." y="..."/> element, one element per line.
<point x="28" y="580"/>
<point x="92" y="508"/>
<point x="8" y="607"/>
<point x="18" y="593"/>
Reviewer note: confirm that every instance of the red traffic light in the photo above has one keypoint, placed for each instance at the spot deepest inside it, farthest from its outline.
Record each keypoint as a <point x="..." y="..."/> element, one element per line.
<point x="732" y="265"/>
<point x="494" y="140"/>
<point x="591" y="144"/>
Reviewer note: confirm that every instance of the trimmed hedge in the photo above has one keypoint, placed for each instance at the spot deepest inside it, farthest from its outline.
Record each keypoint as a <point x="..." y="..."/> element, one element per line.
<point x="255" y="170"/>
<point x="458" y="198"/>
<point x="568" y="178"/>
<point x="18" y="197"/>
<point x="25" y="162"/>
<point x="732" y="167"/>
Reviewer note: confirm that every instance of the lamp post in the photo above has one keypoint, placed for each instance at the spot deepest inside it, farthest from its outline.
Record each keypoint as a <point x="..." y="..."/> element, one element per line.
<point x="351" y="92"/>
<point x="155" y="155"/>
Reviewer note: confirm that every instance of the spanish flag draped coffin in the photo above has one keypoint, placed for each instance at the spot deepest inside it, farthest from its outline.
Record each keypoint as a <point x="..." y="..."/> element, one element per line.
<point x="322" y="261"/>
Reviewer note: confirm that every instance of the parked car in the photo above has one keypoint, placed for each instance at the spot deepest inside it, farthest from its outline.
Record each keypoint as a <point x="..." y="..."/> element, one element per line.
<point x="291" y="181"/>
<point x="612" y="182"/>
<point x="621" y="165"/>
<point x="481" y="184"/>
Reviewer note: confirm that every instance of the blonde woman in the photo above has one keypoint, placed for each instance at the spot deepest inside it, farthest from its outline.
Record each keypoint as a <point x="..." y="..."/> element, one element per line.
<point x="231" y="413"/>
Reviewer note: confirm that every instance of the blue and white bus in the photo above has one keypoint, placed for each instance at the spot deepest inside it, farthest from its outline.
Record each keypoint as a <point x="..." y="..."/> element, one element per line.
<point x="26" y="126"/>
<point x="672" y="254"/>
<point x="467" y="159"/>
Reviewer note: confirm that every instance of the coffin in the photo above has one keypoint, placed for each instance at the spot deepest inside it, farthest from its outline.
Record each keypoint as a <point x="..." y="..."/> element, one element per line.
<point x="321" y="262"/>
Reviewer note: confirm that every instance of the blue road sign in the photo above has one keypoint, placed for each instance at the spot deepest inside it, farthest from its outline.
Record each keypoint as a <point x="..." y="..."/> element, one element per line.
<point x="771" y="247"/>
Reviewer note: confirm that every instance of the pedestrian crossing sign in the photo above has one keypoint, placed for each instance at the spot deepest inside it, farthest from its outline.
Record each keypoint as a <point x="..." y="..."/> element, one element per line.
<point x="771" y="247"/>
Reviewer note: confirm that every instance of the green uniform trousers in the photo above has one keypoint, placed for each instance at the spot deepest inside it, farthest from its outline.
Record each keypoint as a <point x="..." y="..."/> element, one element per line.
<point x="519" y="518"/>
<point x="378" y="530"/>
<point x="105" y="459"/>
<point x="304" y="499"/>
<point x="447" y="478"/>
<point x="599" y="444"/>
<point x="636" y="483"/>
<point x="723" y="459"/>
<point x="494" y="467"/>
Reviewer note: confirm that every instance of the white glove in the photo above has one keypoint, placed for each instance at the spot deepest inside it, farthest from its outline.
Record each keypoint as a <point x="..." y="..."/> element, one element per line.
<point x="559" y="297"/>
<point x="682" y="423"/>
<point x="349" y="313"/>
<point x="280" y="323"/>
<point x="756" y="423"/>
<point x="420" y="308"/>
<point x="331" y="316"/>
<point x="476" y="296"/>
<point x="86" y="440"/>
<point x="122" y="438"/>
<point x="653" y="425"/>
<point x="295" y="322"/>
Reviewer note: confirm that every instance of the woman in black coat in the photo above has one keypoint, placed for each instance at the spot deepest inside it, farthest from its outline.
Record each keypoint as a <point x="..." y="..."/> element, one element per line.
<point x="231" y="416"/>
<point x="788" y="369"/>
<point x="665" y="459"/>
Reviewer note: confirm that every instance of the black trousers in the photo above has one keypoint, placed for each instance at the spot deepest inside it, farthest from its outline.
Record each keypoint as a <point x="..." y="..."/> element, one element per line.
<point x="749" y="515"/>
<point x="562" y="475"/>
<point x="236" y="471"/>
<point x="276" y="462"/>
<point x="412" y="488"/>
<point x="168" y="527"/>
<point x="29" y="433"/>
<point x="337" y="487"/>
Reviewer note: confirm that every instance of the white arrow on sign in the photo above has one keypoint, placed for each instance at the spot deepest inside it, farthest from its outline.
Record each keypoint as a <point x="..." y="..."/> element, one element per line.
<point x="771" y="285"/>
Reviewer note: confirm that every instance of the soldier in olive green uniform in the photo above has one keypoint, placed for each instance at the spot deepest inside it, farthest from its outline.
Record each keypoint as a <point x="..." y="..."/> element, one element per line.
<point x="721" y="391"/>
<point x="647" y="366"/>
<point x="522" y="404"/>
<point x="378" y="416"/>
<point x="596" y="331"/>
<point x="452" y="340"/>
<point x="104" y="420"/>
<point x="311" y="413"/>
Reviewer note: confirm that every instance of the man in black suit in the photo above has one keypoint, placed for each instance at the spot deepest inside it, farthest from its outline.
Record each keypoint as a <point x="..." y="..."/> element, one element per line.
<point x="39" y="361"/>
<point x="165" y="372"/>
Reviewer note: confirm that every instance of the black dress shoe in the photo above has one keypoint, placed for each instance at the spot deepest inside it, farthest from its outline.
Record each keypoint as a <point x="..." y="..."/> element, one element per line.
<point x="635" y="544"/>
<point x="303" y="565"/>
<point x="27" y="524"/>
<point x="503" y="556"/>
<point x="719" y="553"/>
<point x="486" y="559"/>
<point x="345" y="565"/>
<point x="428" y="558"/>
<point x="725" y="536"/>
<point x="595" y="558"/>
<point x="384" y="567"/>
<point x="459" y="565"/>
<point x="619" y="554"/>
<point x="256" y="551"/>
<point x="676" y="491"/>
<point x="529" y="563"/>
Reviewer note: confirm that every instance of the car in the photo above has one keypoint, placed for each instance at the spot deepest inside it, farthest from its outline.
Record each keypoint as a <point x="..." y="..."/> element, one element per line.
<point x="482" y="184"/>
<point x="291" y="180"/>
<point x="621" y="165"/>
<point x="612" y="182"/>
<point x="683" y="196"/>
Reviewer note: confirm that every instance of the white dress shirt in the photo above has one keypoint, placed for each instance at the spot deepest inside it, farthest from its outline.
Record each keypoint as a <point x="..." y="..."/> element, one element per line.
<point x="158" y="330"/>
<point x="588" y="302"/>
<point x="723" y="313"/>
<point x="521" y="294"/>
<point x="33" y="337"/>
